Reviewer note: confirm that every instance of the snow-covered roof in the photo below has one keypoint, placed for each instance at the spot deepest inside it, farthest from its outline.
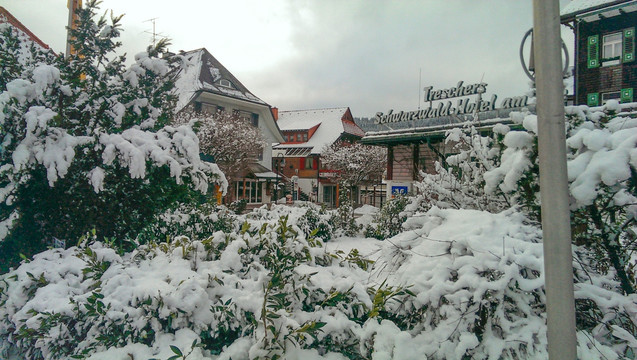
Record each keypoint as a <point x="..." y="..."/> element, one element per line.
<point x="202" y="72"/>
<point x="332" y="123"/>
<point x="6" y="17"/>
<point x="579" y="7"/>
<point x="422" y="133"/>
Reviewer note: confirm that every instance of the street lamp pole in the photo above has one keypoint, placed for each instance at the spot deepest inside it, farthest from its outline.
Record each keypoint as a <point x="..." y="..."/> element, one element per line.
<point x="279" y="157"/>
<point x="558" y="260"/>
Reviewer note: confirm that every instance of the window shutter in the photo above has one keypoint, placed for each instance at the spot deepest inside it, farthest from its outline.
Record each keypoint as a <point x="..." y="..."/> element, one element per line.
<point x="629" y="45"/>
<point x="593" y="51"/>
<point x="302" y="164"/>
<point x="593" y="99"/>
<point x="627" y="95"/>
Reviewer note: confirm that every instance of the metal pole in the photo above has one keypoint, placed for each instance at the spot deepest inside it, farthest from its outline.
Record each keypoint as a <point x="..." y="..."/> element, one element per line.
<point x="276" y="190"/>
<point x="558" y="259"/>
<point x="73" y="5"/>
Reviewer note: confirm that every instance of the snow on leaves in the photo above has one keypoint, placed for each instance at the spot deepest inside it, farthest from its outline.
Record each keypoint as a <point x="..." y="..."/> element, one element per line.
<point x="460" y="283"/>
<point x="88" y="113"/>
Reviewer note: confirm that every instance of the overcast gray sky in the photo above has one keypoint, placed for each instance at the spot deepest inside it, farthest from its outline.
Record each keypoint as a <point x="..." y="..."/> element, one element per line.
<point x="307" y="54"/>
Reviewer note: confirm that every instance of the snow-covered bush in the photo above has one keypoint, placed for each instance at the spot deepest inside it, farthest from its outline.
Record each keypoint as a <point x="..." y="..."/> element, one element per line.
<point x="478" y="281"/>
<point x="602" y="173"/>
<point x="315" y="222"/>
<point x="342" y="218"/>
<point x="85" y="142"/>
<point x="389" y="221"/>
<point x="195" y="221"/>
<point x="262" y="292"/>
<point x="458" y="182"/>
<point x="458" y="284"/>
<point x="238" y="206"/>
<point x="502" y="171"/>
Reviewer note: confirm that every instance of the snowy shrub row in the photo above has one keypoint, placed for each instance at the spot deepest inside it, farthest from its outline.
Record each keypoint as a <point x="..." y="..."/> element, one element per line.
<point x="457" y="284"/>
<point x="250" y="294"/>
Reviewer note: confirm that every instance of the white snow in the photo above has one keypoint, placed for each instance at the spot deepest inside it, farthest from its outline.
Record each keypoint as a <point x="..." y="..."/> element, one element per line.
<point x="578" y="6"/>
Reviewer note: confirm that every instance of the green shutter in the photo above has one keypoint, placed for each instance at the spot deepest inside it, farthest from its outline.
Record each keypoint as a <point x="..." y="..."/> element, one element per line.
<point x="629" y="45"/>
<point x="627" y="95"/>
<point x="593" y="51"/>
<point x="593" y="99"/>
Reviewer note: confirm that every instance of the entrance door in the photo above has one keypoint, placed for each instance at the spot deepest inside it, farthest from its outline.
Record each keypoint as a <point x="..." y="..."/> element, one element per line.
<point x="329" y="195"/>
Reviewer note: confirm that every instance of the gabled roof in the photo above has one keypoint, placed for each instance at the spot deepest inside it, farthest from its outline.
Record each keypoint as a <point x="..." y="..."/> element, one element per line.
<point x="332" y="124"/>
<point x="578" y="8"/>
<point x="203" y="72"/>
<point x="6" y="17"/>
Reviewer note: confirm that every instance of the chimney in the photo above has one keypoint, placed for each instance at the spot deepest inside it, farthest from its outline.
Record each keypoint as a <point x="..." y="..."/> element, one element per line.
<point x="275" y="113"/>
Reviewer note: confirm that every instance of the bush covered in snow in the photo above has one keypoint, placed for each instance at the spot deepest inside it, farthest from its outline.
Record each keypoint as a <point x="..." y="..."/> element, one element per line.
<point x="389" y="221"/>
<point x="459" y="284"/>
<point x="343" y="217"/>
<point x="248" y="294"/>
<point x="85" y="142"/>
<point x="190" y="220"/>
<point x="502" y="171"/>
<point x="316" y="222"/>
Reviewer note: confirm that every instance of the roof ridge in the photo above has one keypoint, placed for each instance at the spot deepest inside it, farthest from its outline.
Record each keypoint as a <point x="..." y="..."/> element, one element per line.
<point x="15" y="22"/>
<point x="318" y="109"/>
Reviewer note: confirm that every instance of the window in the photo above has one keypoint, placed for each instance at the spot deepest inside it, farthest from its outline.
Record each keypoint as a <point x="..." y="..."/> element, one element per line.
<point x="615" y="95"/>
<point x="616" y="48"/>
<point x="252" y="193"/>
<point x="309" y="163"/>
<point x="612" y="49"/>
<point x="225" y="83"/>
<point x="210" y="108"/>
<point x="298" y="137"/>
<point x="255" y="120"/>
<point x="304" y="136"/>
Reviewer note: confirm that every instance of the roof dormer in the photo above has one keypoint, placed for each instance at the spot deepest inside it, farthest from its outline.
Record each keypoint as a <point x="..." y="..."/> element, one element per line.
<point x="226" y="84"/>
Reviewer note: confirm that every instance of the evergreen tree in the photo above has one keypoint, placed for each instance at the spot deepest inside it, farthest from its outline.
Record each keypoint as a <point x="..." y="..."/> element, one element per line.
<point x="85" y="143"/>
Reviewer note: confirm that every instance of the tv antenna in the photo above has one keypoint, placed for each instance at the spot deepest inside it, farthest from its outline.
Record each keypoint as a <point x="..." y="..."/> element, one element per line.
<point x="154" y="33"/>
<point x="419" y="86"/>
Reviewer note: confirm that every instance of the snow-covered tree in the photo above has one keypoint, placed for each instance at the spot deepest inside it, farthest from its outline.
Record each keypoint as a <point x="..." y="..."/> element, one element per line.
<point x="355" y="163"/>
<point x="458" y="182"/>
<point x="232" y="141"/>
<point x="602" y="171"/>
<point x="85" y="142"/>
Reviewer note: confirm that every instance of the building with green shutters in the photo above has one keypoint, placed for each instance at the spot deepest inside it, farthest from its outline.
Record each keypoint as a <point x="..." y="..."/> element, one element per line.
<point x="605" y="65"/>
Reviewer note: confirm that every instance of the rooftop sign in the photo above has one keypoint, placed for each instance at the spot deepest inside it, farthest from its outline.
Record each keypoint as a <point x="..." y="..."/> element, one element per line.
<point x="462" y="106"/>
<point x="459" y="90"/>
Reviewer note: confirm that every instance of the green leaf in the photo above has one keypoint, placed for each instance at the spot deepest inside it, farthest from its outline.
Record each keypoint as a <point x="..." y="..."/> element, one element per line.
<point x="273" y="316"/>
<point x="176" y="350"/>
